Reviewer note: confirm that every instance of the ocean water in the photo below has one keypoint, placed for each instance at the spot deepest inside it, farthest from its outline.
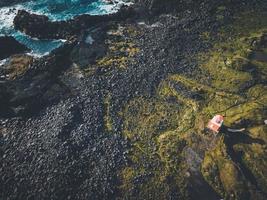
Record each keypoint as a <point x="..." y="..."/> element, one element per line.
<point x="56" y="10"/>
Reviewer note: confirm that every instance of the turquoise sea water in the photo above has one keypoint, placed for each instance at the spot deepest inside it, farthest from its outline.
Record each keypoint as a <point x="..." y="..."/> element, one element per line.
<point x="56" y="10"/>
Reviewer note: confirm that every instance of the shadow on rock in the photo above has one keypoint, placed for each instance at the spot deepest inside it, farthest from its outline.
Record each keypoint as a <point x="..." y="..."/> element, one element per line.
<point x="39" y="86"/>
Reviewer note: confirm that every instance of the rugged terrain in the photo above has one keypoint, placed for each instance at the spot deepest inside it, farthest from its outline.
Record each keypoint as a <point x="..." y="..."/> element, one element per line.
<point x="119" y="111"/>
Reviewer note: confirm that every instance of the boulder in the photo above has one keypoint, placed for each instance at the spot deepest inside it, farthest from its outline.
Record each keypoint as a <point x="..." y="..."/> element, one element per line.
<point x="87" y="51"/>
<point x="10" y="46"/>
<point x="84" y="54"/>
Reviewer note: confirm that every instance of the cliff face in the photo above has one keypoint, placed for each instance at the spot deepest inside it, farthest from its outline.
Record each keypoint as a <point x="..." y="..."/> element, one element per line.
<point x="119" y="111"/>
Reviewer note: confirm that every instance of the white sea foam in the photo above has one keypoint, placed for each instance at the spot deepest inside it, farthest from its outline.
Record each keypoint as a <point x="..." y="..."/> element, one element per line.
<point x="40" y="47"/>
<point x="7" y="15"/>
<point x="38" y="55"/>
<point x="2" y="62"/>
<point x="107" y="8"/>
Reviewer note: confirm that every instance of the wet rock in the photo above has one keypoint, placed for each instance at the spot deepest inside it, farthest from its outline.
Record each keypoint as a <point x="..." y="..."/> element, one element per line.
<point x="40" y="26"/>
<point x="92" y="46"/>
<point x="39" y="83"/>
<point x="84" y="54"/>
<point x="10" y="46"/>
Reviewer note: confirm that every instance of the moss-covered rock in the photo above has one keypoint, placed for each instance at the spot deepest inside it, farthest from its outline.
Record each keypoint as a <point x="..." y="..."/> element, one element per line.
<point x="254" y="158"/>
<point x="233" y="84"/>
<point x="223" y="174"/>
<point x="156" y="158"/>
<point x="17" y="65"/>
<point x="120" y="50"/>
<point x="234" y="70"/>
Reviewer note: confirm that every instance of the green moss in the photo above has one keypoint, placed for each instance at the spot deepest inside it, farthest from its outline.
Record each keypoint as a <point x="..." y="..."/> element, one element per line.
<point x="120" y="49"/>
<point x="258" y="132"/>
<point x="119" y="61"/>
<point x="18" y="65"/>
<point x="254" y="157"/>
<point x="227" y="64"/>
<point x="250" y="111"/>
<point x="220" y="66"/>
<point x="258" y="93"/>
<point x="166" y="90"/>
<point x="227" y="61"/>
<point x="223" y="174"/>
<point x="240" y="63"/>
<point x="125" y="49"/>
<point x="170" y="148"/>
<point x="159" y="128"/>
<point x="261" y="67"/>
<point x="205" y="35"/>
<point x="247" y="23"/>
<point x="107" y="117"/>
<point x="157" y="152"/>
<point x="221" y="8"/>
<point x="149" y="117"/>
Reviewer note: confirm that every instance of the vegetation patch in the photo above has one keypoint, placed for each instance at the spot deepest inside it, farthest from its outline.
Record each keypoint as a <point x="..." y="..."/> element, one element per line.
<point x="223" y="174"/>
<point x="121" y="48"/>
<point x="234" y="69"/>
<point x="18" y="65"/>
<point x="156" y="159"/>
<point x="233" y="85"/>
<point x="107" y="117"/>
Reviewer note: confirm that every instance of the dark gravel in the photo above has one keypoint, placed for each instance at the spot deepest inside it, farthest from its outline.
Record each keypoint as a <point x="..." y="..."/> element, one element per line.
<point x="61" y="149"/>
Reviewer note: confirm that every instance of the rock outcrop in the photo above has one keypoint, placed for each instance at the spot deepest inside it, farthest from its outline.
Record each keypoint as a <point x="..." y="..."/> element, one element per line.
<point x="10" y="46"/>
<point x="41" y="27"/>
<point x="37" y="87"/>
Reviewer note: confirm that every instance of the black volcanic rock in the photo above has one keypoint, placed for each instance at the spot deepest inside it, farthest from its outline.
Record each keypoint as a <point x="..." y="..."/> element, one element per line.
<point x="163" y="6"/>
<point x="10" y="46"/>
<point x="41" y="27"/>
<point x="37" y="87"/>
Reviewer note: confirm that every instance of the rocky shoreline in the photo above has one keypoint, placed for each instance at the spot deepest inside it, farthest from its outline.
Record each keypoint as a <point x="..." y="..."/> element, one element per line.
<point x="41" y="27"/>
<point x="9" y="46"/>
<point x="119" y="111"/>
